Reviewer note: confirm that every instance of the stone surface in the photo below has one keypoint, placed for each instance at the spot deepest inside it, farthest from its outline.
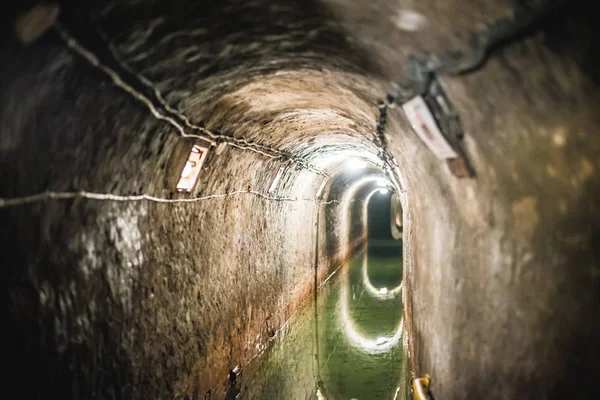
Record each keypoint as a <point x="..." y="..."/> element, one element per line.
<point x="108" y="299"/>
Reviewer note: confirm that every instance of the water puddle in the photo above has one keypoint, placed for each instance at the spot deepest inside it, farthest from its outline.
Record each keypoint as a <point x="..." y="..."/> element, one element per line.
<point x="345" y="343"/>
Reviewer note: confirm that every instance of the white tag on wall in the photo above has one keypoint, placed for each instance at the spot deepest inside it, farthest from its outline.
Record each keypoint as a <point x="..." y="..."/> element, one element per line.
<point x="424" y="124"/>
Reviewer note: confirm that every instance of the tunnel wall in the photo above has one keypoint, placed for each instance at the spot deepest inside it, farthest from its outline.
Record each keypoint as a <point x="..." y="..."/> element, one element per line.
<point x="504" y="279"/>
<point x="133" y="299"/>
<point x="502" y="270"/>
<point x="150" y="300"/>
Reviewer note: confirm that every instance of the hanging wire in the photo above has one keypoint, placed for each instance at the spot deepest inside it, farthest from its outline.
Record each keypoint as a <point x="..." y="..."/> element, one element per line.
<point x="50" y="195"/>
<point x="161" y="110"/>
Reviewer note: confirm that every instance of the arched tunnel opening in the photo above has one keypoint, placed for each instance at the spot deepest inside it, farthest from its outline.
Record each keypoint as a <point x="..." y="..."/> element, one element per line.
<point x="300" y="200"/>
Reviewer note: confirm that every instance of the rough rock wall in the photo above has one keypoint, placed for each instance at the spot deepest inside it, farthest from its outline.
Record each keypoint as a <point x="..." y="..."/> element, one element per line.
<point x="502" y="286"/>
<point x="504" y="279"/>
<point x="136" y="299"/>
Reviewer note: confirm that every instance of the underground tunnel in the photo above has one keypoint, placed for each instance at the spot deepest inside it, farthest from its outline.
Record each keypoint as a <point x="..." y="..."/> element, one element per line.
<point x="326" y="199"/>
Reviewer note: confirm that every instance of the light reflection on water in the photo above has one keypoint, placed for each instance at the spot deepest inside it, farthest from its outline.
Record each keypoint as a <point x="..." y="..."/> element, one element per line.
<point x="347" y="345"/>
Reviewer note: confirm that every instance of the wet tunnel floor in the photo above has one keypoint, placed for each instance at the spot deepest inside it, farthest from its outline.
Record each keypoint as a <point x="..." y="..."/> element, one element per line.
<point x="345" y="344"/>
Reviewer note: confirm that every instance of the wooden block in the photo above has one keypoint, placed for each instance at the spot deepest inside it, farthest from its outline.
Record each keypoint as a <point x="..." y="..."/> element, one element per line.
<point x="459" y="168"/>
<point x="32" y="24"/>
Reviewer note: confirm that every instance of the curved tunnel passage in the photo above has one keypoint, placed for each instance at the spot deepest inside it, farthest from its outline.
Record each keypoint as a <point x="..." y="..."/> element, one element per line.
<point x="117" y="285"/>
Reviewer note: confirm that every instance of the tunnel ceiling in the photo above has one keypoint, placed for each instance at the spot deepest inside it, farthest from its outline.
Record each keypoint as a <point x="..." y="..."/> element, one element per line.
<point x="287" y="75"/>
<point x="134" y="289"/>
<point x="277" y="83"/>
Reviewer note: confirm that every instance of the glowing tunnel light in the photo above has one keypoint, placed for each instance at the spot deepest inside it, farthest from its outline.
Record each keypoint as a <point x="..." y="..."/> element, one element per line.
<point x="380" y="344"/>
<point x="383" y="293"/>
<point x="320" y="395"/>
<point x="383" y="182"/>
<point x="356" y="164"/>
<point x="345" y="205"/>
